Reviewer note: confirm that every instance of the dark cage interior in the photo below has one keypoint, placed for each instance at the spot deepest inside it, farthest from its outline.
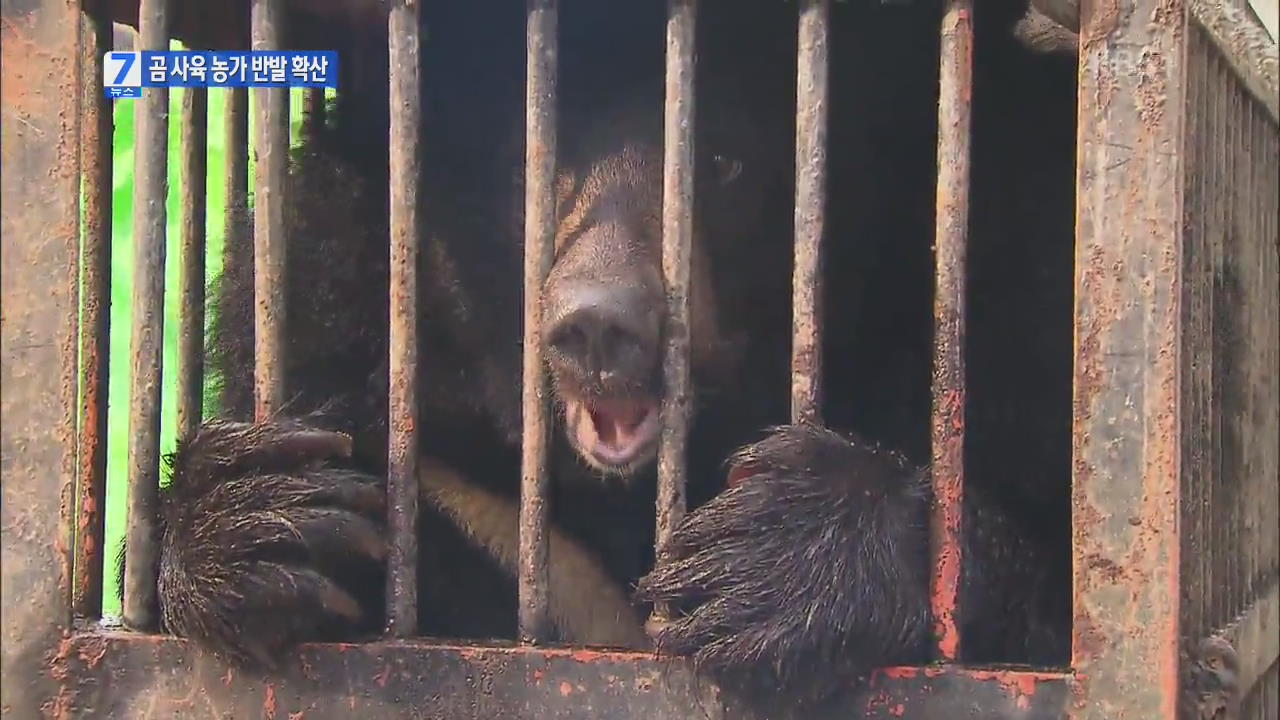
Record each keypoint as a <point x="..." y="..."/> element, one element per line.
<point x="814" y="566"/>
<point x="817" y="555"/>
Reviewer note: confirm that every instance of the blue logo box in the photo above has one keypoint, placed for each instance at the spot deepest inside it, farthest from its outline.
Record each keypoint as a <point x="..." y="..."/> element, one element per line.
<point x="126" y="73"/>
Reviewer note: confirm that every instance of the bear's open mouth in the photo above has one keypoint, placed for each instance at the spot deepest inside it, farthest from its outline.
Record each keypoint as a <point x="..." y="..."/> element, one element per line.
<point x="615" y="434"/>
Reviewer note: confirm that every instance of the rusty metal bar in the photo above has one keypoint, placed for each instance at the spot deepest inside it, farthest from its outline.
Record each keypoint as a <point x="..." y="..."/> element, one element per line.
<point x="1126" y="436"/>
<point x="271" y="152"/>
<point x="95" y="306"/>
<point x="112" y="674"/>
<point x="151" y="157"/>
<point x="40" y="51"/>
<point x="810" y="212"/>
<point x="539" y="251"/>
<point x="314" y="111"/>
<point x="1214" y="591"/>
<point x="1254" y="492"/>
<point x="1196" y="522"/>
<point x="1229" y="247"/>
<point x="236" y="119"/>
<point x="1209" y="244"/>
<point x="677" y="240"/>
<point x="1246" y="48"/>
<point x="195" y="135"/>
<point x="402" y="425"/>
<point x="954" y="122"/>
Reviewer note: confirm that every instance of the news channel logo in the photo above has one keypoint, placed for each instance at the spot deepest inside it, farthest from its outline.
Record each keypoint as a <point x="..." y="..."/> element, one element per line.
<point x="125" y="74"/>
<point x="122" y="75"/>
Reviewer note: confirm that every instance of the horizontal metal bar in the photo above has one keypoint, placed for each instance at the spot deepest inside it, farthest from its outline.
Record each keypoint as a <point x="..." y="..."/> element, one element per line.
<point x="402" y="425"/>
<point x="114" y="674"/>
<point x="539" y="251"/>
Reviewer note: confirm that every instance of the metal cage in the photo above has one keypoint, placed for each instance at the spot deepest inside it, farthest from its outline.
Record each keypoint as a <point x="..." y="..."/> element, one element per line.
<point x="1176" y="379"/>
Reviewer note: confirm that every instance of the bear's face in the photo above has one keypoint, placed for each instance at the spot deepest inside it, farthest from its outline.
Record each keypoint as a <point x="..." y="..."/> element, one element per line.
<point x="604" y="314"/>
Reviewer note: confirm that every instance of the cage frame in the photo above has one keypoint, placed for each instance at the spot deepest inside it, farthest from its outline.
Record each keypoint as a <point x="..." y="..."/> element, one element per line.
<point x="1126" y="644"/>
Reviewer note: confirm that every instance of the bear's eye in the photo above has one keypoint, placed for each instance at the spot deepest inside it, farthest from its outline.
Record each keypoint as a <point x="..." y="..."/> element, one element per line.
<point x="727" y="169"/>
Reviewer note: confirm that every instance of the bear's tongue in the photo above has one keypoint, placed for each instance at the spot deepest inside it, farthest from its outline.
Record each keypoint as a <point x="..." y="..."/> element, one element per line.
<point x="616" y="421"/>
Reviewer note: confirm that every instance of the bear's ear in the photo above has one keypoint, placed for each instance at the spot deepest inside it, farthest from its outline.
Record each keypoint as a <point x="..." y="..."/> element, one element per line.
<point x="726" y="168"/>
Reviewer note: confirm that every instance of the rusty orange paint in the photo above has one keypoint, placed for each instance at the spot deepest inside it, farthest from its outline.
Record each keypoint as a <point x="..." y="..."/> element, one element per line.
<point x="1019" y="686"/>
<point x="92" y="652"/>
<point x="58" y="664"/>
<point x="898" y="673"/>
<point x="587" y="656"/>
<point x="269" y="702"/>
<point x="1125" y="495"/>
<point x="951" y="252"/>
<point x="566" y="689"/>
<point x="468" y="654"/>
<point x="878" y="700"/>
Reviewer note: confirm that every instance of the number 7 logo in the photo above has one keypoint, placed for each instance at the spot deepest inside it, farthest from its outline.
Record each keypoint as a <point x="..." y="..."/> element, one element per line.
<point x="121" y="69"/>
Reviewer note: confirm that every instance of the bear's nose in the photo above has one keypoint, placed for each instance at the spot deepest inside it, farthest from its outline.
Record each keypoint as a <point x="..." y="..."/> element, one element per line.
<point x="605" y="331"/>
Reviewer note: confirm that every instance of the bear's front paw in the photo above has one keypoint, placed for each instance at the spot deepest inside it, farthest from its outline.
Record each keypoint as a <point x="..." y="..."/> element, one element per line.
<point x="257" y="523"/>
<point x="811" y="567"/>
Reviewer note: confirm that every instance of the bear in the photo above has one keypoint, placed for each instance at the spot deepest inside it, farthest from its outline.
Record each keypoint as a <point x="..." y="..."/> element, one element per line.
<point x="814" y="552"/>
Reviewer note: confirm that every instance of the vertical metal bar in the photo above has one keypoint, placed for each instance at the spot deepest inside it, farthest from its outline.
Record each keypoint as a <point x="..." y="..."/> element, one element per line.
<point x="1203" y="472"/>
<point x="237" y="164"/>
<point x="313" y="119"/>
<point x="954" y="120"/>
<point x="677" y="240"/>
<point x="271" y="148"/>
<point x="402" y="451"/>
<point x="40" y="183"/>
<point x="1262" y="248"/>
<point x="151" y="184"/>
<point x="1213" y="427"/>
<point x="1251" y="480"/>
<point x="1126" y="436"/>
<point x="195" y="124"/>
<point x="810" y="212"/>
<point x="1195" y="509"/>
<point x="1229" y="247"/>
<point x="539" y="250"/>
<point x="1252" y="288"/>
<point x="96" y="127"/>
<point x="1268" y="546"/>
